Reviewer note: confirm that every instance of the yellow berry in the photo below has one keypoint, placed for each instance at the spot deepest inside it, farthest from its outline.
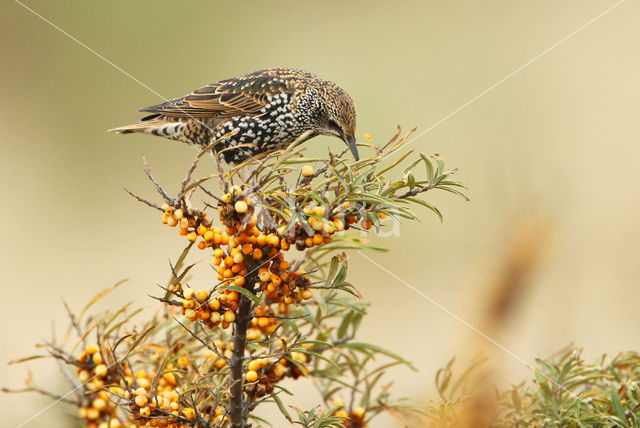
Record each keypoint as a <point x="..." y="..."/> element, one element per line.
<point x="188" y="293"/>
<point x="319" y="211"/>
<point x="99" y="404"/>
<point x="91" y="348"/>
<point x="229" y="316"/>
<point x="141" y="400"/>
<point x="358" y="413"/>
<point x="178" y="214"/>
<point x="188" y="412"/>
<point x="202" y="295"/>
<point x="101" y="370"/>
<point x="241" y="207"/>
<point x="145" y="412"/>
<point x="279" y="370"/>
<point x="307" y="171"/>
<point x="252" y="376"/>
<point x="93" y="414"/>
<point x="299" y="356"/>
<point x="215" y="317"/>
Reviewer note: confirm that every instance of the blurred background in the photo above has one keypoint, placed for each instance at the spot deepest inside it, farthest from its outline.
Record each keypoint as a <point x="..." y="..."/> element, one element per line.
<point x="545" y="254"/>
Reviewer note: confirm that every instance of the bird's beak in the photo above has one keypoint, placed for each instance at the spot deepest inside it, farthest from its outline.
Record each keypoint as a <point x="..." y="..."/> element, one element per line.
<point x="351" y="142"/>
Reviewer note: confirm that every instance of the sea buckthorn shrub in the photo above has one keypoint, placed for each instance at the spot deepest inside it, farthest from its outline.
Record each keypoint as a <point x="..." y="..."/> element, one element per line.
<point x="273" y="241"/>
<point x="564" y="391"/>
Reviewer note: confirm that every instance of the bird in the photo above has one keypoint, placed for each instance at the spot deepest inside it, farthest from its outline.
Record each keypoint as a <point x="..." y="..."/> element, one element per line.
<point x="254" y="114"/>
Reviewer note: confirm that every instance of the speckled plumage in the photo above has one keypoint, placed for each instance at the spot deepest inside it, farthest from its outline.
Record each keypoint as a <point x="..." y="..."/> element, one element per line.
<point x="267" y="110"/>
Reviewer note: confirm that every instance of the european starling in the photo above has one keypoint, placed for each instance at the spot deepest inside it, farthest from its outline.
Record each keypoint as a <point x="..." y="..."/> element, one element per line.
<point x="262" y="111"/>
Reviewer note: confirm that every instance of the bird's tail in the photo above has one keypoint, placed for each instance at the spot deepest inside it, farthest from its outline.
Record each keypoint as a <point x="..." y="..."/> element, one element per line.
<point x="146" y="125"/>
<point x="154" y="125"/>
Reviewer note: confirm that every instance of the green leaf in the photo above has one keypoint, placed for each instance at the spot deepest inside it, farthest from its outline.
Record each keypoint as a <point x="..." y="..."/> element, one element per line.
<point x="246" y="293"/>
<point x="618" y="410"/>
<point x="281" y="407"/>
<point x="371" y="350"/>
<point x="344" y="325"/>
<point x="428" y="205"/>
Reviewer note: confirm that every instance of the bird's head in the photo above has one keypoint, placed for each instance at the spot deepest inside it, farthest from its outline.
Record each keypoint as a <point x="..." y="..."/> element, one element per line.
<point x="338" y="116"/>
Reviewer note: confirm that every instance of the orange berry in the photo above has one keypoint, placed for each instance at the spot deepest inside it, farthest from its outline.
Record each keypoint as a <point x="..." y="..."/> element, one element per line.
<point x="257" y="254"/>
<point x="224" y="240"/>
<point x="261" y="240"/>
<point x="317" y="239"/>
<point x="247" y="249"/>
<point x="261" y="311"/>
<point x="273" y="240"/>
<point x="183" y="231"/>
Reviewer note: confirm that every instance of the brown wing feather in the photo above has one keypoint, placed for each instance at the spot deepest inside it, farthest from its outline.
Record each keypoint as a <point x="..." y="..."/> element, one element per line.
<point x="241" y="96"/>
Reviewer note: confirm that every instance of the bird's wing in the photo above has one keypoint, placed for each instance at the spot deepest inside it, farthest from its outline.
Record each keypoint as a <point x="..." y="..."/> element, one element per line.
<point x="239" y="96"/>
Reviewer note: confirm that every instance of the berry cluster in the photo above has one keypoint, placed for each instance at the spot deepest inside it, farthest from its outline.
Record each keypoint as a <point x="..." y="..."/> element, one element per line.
<point x="153" y="399"/>
<point x="213" y="312"/>
<point x="352" y="419"/>
<point x="240" y="247"/>
<point x="262" y="373"/>
<point x="96" y="410"/>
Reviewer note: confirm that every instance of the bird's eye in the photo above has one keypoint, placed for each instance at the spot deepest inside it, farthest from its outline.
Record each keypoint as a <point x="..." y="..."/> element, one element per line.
<point x="334" y="125"/>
